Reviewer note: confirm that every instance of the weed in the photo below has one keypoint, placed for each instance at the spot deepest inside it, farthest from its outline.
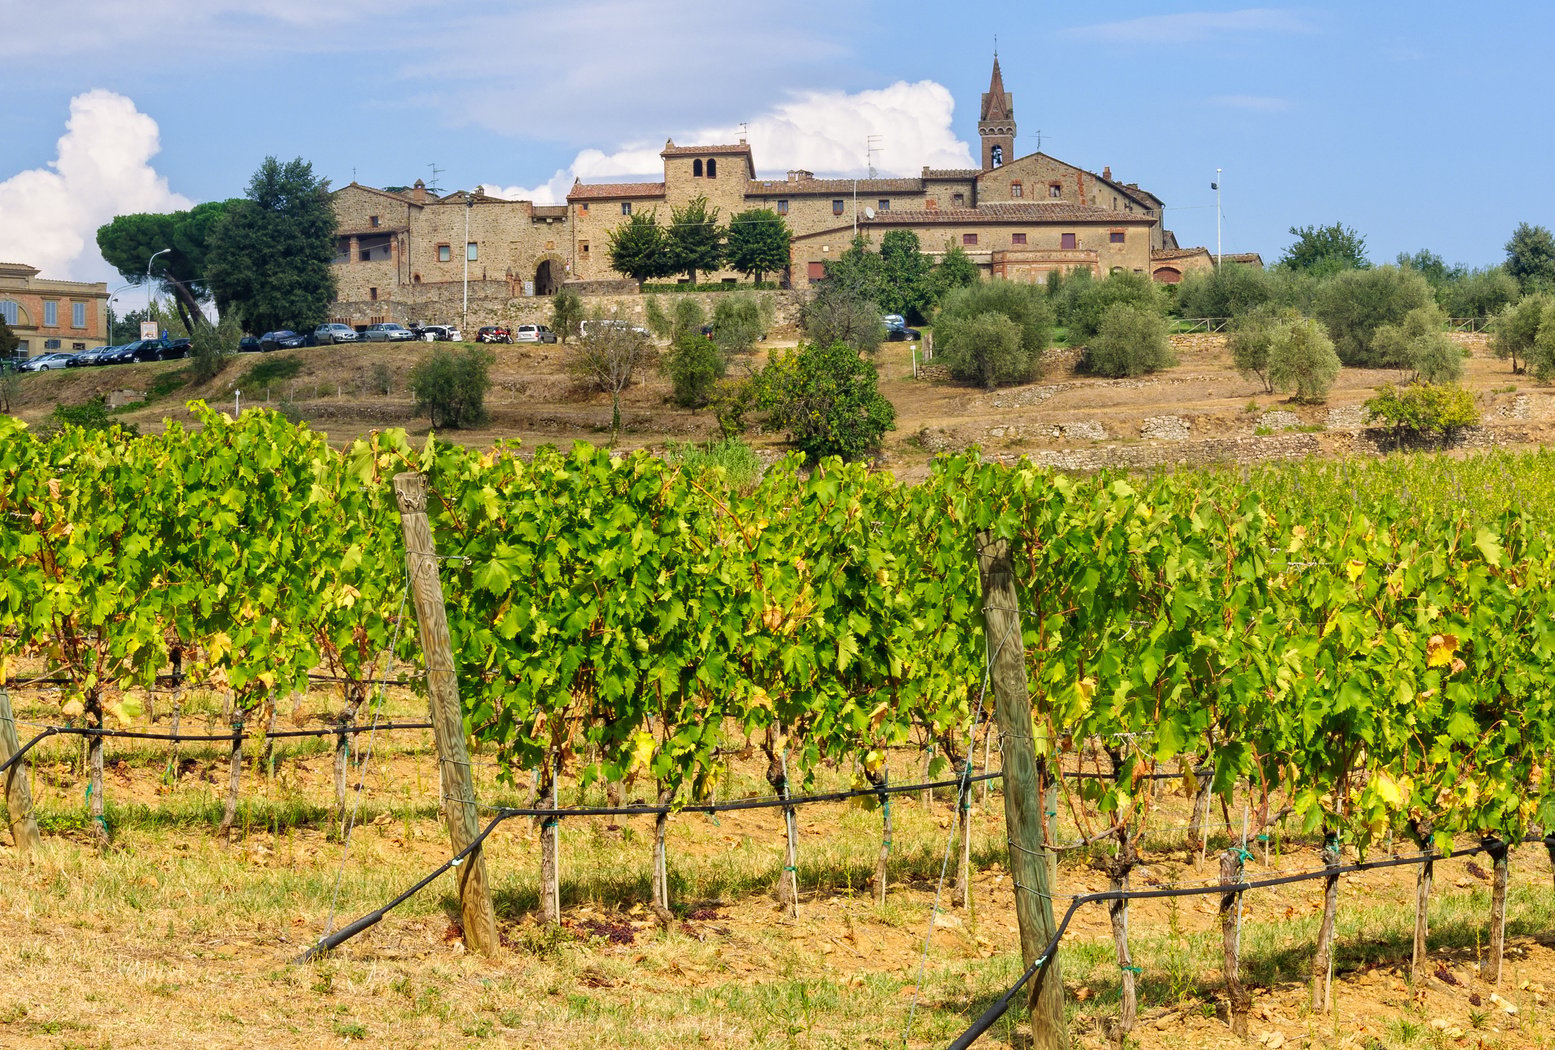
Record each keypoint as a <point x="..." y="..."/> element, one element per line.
<point x="1252" y="407"/>
<point x="1263" y="431"/>
<point x="350" y="1030"/>
<point x="270" y="370"/>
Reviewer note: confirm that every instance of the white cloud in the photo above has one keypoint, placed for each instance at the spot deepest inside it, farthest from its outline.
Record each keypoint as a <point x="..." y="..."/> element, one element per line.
<point x="49" y="216"/>
<point x="823" y="131"/>
<point x="1255" y="103"/>
<point x="1187" y="27"/>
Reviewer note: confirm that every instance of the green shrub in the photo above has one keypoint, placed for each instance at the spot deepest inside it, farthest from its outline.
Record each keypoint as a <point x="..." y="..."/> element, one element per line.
<point x="986" y="349"/>
<point x="1354" y="304"/>
<point x="450" y="386"/>
<point x="738" y="322"/>
<point x="1231" y="290"/>
<point x="1302" y="359"/>
<point x="715" y="286"/>
<point x="838" y="315"/>
<point x="1131" y="341"/>
<point x="1423" y="408"/>
<point x="977" y="350"/>
<point x="1516" y="327"/>
<point x="1089" y="301"/>
<point x="212" y="347"/>
<point x="827" y="397"/>
<point x="1252" y="334"/>
<point x="694" y="364"/>
<point x="89" y="415"/>
<point x="1419" y="346"/>
<point x="566" y="314"/>
<point x="1478" y="293"/>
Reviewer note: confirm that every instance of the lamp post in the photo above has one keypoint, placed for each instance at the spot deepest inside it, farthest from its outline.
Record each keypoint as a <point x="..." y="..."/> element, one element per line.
<point x="149" y="261"/>
<point x="1217" y="219"/>
<point x="464" y="320"/>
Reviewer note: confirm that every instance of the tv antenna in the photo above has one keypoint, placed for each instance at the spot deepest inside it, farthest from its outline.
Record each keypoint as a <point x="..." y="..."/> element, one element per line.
<point x="744" y="129"/>
<point x="871" y="147"/>
<point x="436" y="171"/>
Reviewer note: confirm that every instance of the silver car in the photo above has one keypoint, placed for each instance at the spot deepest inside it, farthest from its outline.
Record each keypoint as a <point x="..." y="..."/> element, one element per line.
<point x="328" y="334"/>
<point x="387" y="332"/>
<point x="45" y="363"/>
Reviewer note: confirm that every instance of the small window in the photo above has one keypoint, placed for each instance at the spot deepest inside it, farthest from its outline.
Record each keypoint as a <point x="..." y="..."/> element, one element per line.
<point x="583" y="209"/>
<point x="50" y="314"/>
<point x="816" y="271"/>
<point x="415" y="278"/>
<point x="1055" y="190"/>
<point x="1017" y="238"/>
<point x="1066" y="241"/>
<point x="372" y="220"/>
<point x="472" y="253"/>
<point x="445" y="253"/>
<point x="884" y="205"/>
<point x="626" y="207"/>
<point x="836" y="207"/>
<point x="958" y="200"/>
<point x="696" y="168"/>
<point x="372" y="293"/>
<point x="1115" y="237"/>
<point x="8" y="310"/>
<point x="51" y="344"/>
<point x="782" y="207"/>
<point x="78" y="347"/>
<point x="712" y="168"/>
<point x="1016" y="190"/>
<point x="583" y="247"/>
<point x="78" y="315"/>
<point x="969" y="238"/>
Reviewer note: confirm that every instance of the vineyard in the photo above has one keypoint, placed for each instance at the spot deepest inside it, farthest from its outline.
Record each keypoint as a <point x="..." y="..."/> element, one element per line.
<point x="1352" y="657"/>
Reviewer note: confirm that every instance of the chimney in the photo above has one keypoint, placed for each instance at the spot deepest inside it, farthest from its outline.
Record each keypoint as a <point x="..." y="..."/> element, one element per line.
<point x="1106" y="173"/>
<point x="418" y="192"/>
<point x="800" y="175"/>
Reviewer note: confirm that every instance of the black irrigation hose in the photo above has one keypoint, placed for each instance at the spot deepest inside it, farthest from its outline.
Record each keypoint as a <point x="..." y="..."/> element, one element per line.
<point x="997" y="1009"/>
<point x="372" y="918"/>
<point x="180" y="679"/>
<point x="205" y="738"/>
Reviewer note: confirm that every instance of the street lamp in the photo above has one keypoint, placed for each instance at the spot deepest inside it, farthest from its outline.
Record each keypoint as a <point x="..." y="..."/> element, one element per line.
<point x="464" y="320"/>
<point x="149" y="261"/>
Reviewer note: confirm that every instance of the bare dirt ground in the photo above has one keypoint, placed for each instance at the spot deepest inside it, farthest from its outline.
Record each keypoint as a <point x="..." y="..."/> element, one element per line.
<point x="177" y="939"/>
<point x="1198" y="411"/>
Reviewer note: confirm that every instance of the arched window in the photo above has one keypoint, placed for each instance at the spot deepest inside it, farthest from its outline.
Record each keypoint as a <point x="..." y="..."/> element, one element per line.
<point x="998" y="156"/>
<point x="696" y="168"/>
<point x="712" y="168"/>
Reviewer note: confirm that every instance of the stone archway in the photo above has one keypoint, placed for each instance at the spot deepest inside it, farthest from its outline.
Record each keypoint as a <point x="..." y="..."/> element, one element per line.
<point x="549" y="275"/>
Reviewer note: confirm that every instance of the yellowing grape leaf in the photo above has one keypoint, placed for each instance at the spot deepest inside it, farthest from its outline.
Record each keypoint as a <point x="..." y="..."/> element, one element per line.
<point x="73" y="709"/>
<point x="873" y="761"/>
<point x="1440" y="650"/>
<point x="1387" y="788"/>
<point x="1353" y="569"/>
<point x="642" y="750"/>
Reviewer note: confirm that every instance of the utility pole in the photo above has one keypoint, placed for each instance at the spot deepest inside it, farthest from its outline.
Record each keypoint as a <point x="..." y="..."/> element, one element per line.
<point x="464" y="320"/>
<point x="1217" y="220"/>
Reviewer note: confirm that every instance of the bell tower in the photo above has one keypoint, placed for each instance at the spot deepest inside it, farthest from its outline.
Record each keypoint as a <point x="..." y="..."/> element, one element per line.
<point x="996" y="125"/>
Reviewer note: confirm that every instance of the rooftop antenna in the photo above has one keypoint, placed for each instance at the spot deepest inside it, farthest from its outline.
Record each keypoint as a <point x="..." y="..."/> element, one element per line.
<point x="744" y="129"/>
<point x="436" y="171"/>
<point x="871" y="147"/>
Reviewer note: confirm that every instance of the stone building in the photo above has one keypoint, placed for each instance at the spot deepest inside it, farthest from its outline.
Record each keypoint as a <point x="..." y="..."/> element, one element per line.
<point x="52" y="316"/>
<point x="402" y="253"/>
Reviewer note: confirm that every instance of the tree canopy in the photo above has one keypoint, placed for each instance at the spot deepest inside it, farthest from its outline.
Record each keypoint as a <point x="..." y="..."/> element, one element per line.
<point x="1325" y="250"/>
<point x="696" y="240"/>
<point x="270" y="255"/>
<point x="129" y="242"/>
<point x="638" y="248"/>
<point x="908" y="287"/>
<point x="758" y="243"/>
<point x="1530" y="258"/>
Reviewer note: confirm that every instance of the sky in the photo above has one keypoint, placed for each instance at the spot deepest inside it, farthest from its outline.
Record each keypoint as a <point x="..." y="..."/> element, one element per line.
<point x="1417" y="124"/>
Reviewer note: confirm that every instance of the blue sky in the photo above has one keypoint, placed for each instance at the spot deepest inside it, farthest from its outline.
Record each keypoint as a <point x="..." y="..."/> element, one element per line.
<point x="1421" y="125"/>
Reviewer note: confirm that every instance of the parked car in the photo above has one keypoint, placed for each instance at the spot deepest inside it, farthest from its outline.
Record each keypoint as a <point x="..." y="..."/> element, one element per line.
<point x="120" y="355"/>
<point x="45" y="363"/>
<point x="493" y="333"/>
<point x="139" y="350"/>
<point x="896" y="329"/>
<point x="439" y="333"/>
<point x="177" y="349"/>
<point x="330" y="334"/>
<point x="282" y="339"/>
<point x="87" y="358"/>
<point x="249" y="345"/>
<point x="533" y="333"/>
<point x="387" y="332"/>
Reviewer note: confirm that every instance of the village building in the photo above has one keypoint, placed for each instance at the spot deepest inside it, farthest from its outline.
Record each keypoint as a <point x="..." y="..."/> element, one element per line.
<point x="402" y="253"/>
<point x="50" y="316"/>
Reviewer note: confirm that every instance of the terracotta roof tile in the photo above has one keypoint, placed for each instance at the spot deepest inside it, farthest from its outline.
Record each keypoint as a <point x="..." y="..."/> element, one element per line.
<point x="614" y="190"/>
<point x="1012" y="211"/>
<point x="686" y="151"/>
<point x="1166" y="254"/>
<point x="952" y="173"/>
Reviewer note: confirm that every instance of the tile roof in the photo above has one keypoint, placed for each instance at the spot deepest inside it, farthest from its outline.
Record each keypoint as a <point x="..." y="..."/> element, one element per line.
<point x="801" y="187"/>
<point x="951" y="173"/>
<point x="672" y="150"/>
<point x="1012" y="211"/>
<point x="1167" y="254"/>
<point x="614" y="190"/>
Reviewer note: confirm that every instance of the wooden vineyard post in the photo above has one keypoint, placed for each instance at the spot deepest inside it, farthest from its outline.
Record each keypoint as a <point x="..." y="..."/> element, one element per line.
<point x="18" y="795"/>
<point x="457" y="786"/>
<point x="1239" y="1002"/>
<point x="1498" y="879"/>
<point x="1023" y="801"/>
